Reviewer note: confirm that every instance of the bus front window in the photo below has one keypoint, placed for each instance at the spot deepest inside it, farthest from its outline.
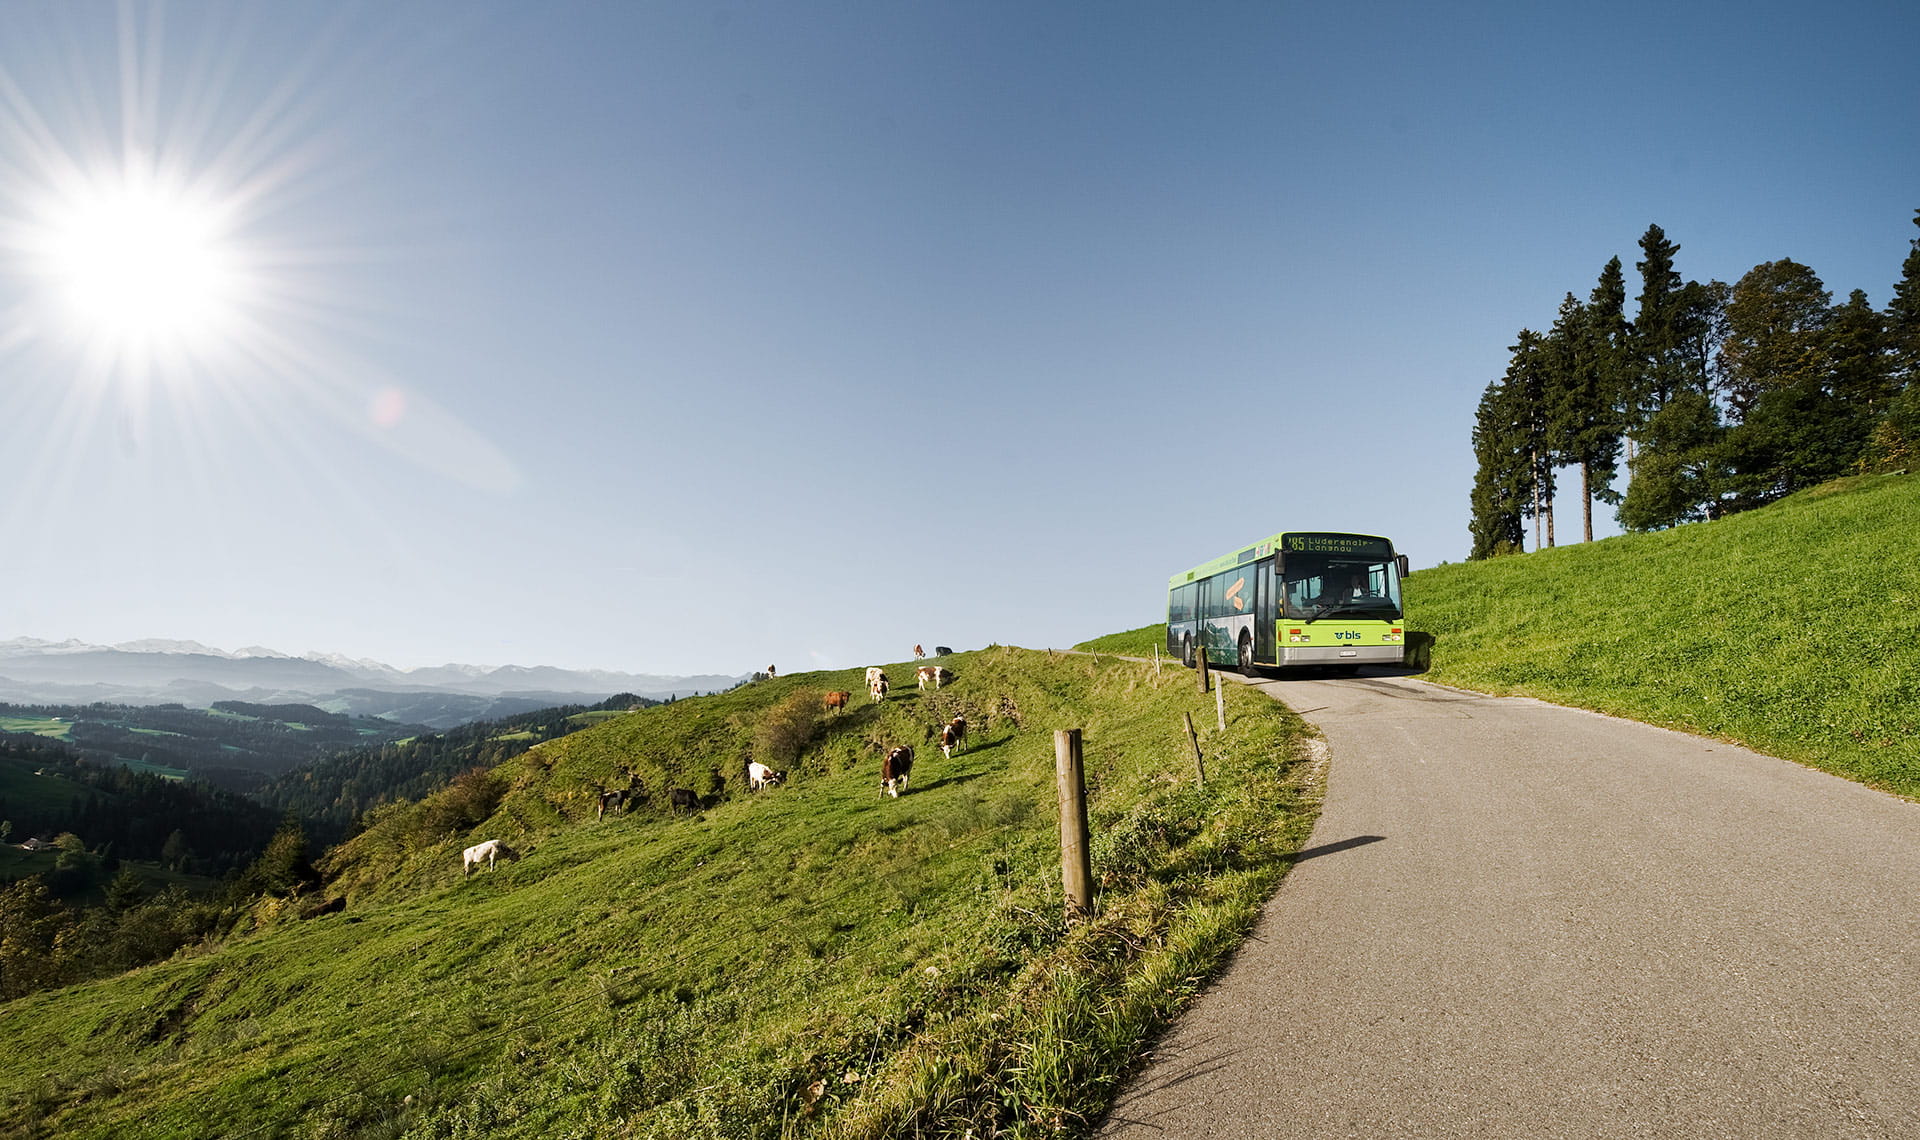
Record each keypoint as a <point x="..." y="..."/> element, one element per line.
<point x="1325" y="587"/>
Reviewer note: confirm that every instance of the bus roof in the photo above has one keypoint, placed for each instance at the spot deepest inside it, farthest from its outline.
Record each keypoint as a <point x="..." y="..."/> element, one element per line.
<point x="1314" y="541"/>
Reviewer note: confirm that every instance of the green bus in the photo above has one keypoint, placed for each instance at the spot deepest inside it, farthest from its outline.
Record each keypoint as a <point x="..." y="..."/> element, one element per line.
<point x="1296" y="598"/>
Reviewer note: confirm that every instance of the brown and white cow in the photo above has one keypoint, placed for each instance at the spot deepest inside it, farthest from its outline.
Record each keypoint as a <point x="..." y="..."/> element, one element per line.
<point x="952" y="734"/>
<point x="894" y="771"/>
<point x="937" y="674"/>
<point x="876" y="683"/>
<point x="760" y="776"/>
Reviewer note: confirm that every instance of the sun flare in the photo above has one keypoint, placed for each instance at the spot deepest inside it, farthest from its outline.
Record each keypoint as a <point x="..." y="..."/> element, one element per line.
<point x="140" y="267"/>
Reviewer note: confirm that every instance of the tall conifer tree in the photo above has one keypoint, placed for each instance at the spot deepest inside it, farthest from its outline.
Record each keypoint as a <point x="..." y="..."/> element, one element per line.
<point x="1658" y="332"/>
<point x="1502" y="484"/>
<point x="1789" y="431"/>
<point x="1894" y="442"/>
<point x="1903" y="316"/>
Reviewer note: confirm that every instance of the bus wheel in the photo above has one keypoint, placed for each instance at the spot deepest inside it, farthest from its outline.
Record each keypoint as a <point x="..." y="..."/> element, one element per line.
<point x="1186" y="652"/>
<point x="1246" y="655"/>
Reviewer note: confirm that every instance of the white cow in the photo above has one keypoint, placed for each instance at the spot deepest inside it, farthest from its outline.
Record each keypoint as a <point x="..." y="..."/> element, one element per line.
<point x="486" y="853"/>
<point x="760" y="776"/>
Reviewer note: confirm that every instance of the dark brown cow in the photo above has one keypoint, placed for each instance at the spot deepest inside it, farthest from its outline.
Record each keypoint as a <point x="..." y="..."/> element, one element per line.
<point x="894" y="771"/>
<point x="684" y="798"/>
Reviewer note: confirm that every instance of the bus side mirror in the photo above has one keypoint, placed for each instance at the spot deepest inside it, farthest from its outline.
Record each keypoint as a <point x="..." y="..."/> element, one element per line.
<point x="1402" y="560"/>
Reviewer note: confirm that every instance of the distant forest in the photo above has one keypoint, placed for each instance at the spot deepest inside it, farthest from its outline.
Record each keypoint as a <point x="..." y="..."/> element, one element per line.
<point x="1715" y="398"/>
<point x="334" y="793"/>
<point x="86" y="909"/>
<point x="233" y="745"/>
<point x="125" y="814"/>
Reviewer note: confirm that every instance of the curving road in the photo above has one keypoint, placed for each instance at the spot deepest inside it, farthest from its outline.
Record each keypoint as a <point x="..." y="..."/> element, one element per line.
<point x="1519" y="920"/>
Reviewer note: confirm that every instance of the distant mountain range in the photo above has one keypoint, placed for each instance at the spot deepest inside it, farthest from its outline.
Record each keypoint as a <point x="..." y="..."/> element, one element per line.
<point x="34" y="671"/>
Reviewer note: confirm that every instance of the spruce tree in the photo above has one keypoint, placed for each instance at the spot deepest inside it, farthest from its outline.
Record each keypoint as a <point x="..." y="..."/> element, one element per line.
<point x="1903" y="317"/>
<point x="1524" y="403"/>
<point x="1893" y="442"/>
<point x="1502" y="482"/>
<point x="1588" y="374"/>
<point x="1788" y="431"/>
<point x="1658" y="331"/>
<point x="1860" y="372"/>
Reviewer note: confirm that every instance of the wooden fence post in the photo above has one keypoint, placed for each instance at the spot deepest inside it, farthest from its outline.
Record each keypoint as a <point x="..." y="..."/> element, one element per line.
<point x="1220" y="706"/>
<point x="1193" y="741"/>
<point x="1076" y="863"/>
<point x="1200" y="664"/>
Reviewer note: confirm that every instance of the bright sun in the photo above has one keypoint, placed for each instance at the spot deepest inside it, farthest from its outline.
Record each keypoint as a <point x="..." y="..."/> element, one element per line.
<point x="142" y="269"/>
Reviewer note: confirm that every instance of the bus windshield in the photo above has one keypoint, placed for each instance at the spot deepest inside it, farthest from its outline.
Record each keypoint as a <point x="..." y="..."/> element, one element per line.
<point x="1315" y="586"/>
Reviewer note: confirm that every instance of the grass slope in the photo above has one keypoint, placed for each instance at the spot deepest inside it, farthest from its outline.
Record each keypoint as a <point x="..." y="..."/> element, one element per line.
<point x="1790" y="629"/>
<point x="1794" y="629"/>
<point x="812" y="960"/>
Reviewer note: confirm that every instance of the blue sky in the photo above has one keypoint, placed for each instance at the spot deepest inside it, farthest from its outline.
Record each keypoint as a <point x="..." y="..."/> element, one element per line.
<point x="694" y="337"/>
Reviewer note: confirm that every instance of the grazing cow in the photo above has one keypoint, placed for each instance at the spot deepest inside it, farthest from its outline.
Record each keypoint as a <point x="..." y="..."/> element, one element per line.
<point x="620" y="799"/>
<point x="938" y="674"/>
<point x="951" y="734"/>
<point x="760" y="776"/>
<point x="876" y="682"/>
<point x="894" y="771"/>
<point x="486" y="853"/>
<point x="942" y="651"/>
<point x="918" y="653"/>
<point x="684" y="798"/>
<point x="837" y="699"/>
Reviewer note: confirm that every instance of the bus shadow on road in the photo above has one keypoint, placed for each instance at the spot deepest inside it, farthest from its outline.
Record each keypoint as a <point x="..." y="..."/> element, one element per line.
<point x="1419" y="660"/>
<point x="1299" y="857"/>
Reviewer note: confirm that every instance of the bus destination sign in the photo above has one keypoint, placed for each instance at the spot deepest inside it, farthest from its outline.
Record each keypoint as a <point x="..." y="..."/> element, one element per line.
<point x="1336" y="544"/>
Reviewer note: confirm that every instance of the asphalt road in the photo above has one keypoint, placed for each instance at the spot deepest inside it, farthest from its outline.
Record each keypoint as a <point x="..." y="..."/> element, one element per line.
<point x="1518" y="920"/>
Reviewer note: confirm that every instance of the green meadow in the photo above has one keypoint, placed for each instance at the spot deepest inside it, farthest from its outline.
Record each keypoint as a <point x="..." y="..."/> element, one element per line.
<point x="818" y="960"/>
<point x="814" y="959"/>
<point x="1794" y="629"/>
<point x="48" y="726"/>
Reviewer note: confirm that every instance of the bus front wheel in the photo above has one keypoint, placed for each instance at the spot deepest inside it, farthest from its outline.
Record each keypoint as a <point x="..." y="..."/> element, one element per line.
<point x="1246" y="655"/>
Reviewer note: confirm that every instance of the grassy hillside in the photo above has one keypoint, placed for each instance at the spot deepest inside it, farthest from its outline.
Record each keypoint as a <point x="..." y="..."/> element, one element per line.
<point x="1142" y="642"/>
<point x="1792" y="629"/>
<point x="810" y="960"/>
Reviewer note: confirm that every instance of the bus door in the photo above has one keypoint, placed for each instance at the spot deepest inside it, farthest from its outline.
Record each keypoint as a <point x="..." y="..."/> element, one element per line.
<point x="1266" y="611"/>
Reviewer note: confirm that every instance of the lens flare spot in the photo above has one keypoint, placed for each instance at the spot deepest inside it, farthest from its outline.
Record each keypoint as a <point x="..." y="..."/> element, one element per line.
<point x="387" y="408"/>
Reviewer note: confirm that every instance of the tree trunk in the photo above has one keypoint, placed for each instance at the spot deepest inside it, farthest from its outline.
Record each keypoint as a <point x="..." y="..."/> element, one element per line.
<point x="1586" y="500"/>
<point x="1536" y="503"/>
